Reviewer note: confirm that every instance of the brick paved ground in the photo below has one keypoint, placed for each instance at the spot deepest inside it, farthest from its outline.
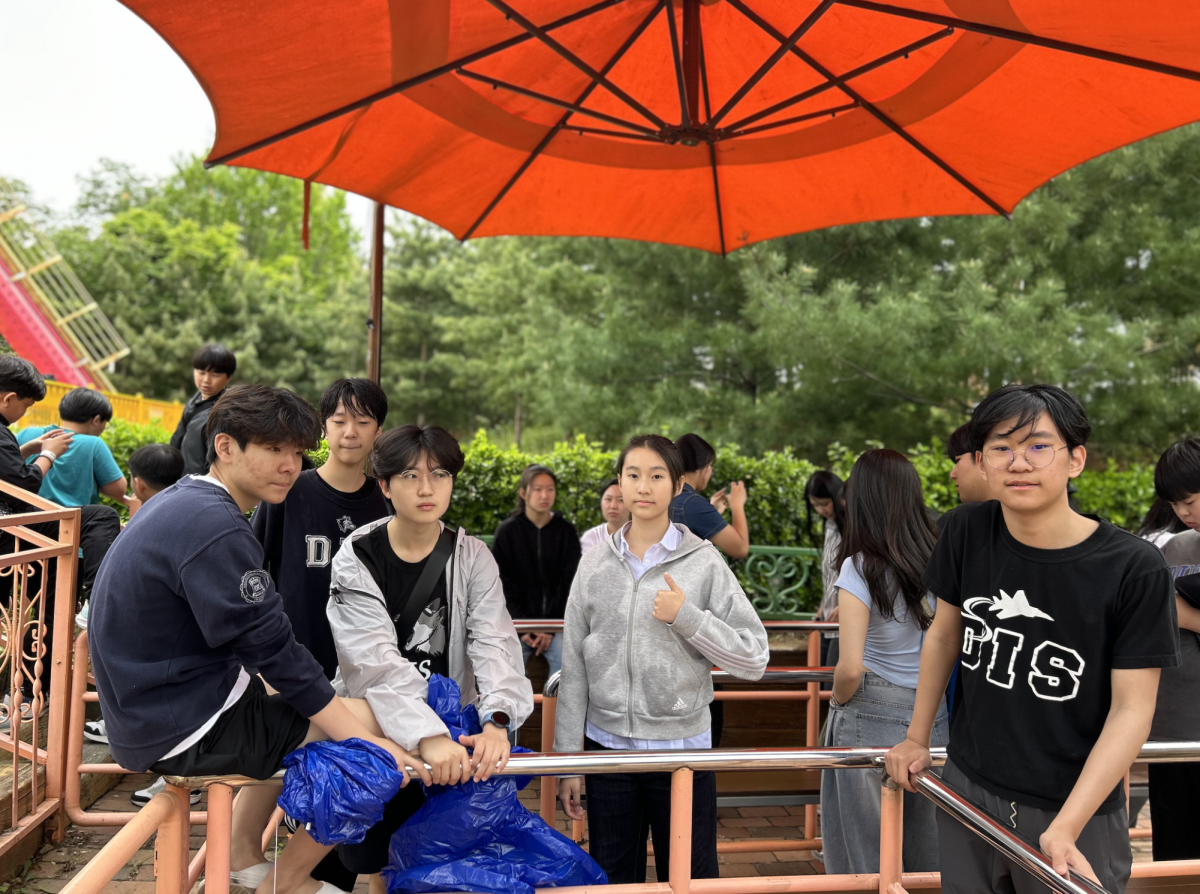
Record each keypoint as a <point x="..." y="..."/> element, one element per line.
<point x="56" y="864"/>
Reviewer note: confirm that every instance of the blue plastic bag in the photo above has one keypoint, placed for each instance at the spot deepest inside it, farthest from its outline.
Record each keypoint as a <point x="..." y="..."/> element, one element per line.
<point x="338" y="789"/>
<point x="477" y="836"/>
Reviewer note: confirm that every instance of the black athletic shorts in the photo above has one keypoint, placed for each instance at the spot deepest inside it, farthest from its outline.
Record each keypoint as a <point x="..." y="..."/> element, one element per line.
<point x="250" y="739"/>
<point x="371" y="854"/>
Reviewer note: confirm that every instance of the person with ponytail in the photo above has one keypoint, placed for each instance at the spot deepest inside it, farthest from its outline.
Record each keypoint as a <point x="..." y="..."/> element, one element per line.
<point x="823" y="495"/>
<point x="884" y="611"/>
<point x="537" y="551"/>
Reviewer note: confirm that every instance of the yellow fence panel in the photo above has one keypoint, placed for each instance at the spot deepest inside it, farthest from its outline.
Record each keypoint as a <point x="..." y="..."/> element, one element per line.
<point x="130" y="408"/>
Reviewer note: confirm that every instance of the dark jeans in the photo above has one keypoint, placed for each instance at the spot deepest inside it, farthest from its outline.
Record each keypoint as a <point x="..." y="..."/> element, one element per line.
<point x="619" y="805"/>
<point x="1174" y="794"/>
<point x="98" y="528"/>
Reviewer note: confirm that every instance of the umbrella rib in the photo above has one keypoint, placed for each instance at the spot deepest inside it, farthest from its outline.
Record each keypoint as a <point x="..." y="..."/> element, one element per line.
<point x="796" y="120"/>
<point x="842" y="78"/>
<point x="786" y="44"/>
<point x="602" y="132"/>
<point x="554" y="131"/>
<point x="1048" y="43"/>
<point x="573" y="107"/>
<point x="676" y="57"/>
<point x="876" y="112"/>
<point x="541" y="35"/>
<point x="400" y="87"/>
<point x="712" y="151"/>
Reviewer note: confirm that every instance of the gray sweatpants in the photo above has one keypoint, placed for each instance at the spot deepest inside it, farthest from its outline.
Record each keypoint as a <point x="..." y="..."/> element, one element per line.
<point x="972" y="866"/>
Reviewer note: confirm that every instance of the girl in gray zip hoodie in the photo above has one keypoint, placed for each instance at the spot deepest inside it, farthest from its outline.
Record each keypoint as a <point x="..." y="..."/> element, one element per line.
<point x="651" y="610"/>
<point x="388" y="644"/>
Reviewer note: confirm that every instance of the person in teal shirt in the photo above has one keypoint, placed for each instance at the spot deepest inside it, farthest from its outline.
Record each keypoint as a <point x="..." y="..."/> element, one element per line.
<point x="88" y="469"/>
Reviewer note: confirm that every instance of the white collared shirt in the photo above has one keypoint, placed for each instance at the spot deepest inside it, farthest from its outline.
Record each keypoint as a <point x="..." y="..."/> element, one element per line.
<point x="655" y="555"/>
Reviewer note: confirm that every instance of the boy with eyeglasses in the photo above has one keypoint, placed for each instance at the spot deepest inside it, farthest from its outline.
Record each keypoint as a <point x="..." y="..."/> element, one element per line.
<point x="1063" y="622"/>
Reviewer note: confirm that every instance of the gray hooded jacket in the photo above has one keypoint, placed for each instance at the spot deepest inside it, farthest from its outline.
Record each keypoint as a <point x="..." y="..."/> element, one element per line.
<point x="632" y="675"/>
<point x="485" y="654"/>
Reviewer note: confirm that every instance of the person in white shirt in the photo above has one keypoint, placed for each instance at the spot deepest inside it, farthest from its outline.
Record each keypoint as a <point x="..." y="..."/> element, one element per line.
<point x="612" y="507"/>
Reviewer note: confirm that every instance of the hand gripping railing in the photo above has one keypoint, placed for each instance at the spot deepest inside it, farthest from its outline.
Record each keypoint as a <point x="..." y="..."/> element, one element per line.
<point x="1001" y="837"/>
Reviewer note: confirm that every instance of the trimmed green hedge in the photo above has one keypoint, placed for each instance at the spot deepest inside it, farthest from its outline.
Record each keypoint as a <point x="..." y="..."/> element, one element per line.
<point x="485" y="491"/>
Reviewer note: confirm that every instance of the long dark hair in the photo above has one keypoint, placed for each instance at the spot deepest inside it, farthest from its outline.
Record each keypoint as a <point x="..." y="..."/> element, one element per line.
<point x="888" y="532"/>
<point x="1161" y="518"/>
<point x="527" y="478"/>
<point x="824" y="485"/>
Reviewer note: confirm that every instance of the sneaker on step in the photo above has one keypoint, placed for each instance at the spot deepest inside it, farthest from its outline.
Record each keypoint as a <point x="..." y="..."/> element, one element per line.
<point x="142" y="797"/>
<point x="94" y="731"/>
<point x="81" y="618"/>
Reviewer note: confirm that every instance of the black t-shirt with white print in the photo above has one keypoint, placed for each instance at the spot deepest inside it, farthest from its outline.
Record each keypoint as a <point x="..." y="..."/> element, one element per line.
<point x="1042" y="631"/>
<point x="423" y="640"/>
<point x="300" y="537"/>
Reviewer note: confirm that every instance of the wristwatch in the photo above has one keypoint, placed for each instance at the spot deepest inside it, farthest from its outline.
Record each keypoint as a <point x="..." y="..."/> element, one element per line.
<point x="499" y="718"/>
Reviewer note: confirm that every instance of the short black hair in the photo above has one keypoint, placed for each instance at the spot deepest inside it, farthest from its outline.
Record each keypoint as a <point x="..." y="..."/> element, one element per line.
<point x="664" y="447"/>
<point x="401" y="448"/>
<point x="696" y="452"/>
<point x="356" y="395"/>
<point x="960" y="442"/>
<point x="1026" y="403"/>
<point x="19" y="376"/>
<point x="215" y="357"/>
<point x="84" y="405"/>
<point x="260" y="414"/>
<point x="1177" y="474"/>
<point x="159" y="465"/>
<point x="607" y="484"/>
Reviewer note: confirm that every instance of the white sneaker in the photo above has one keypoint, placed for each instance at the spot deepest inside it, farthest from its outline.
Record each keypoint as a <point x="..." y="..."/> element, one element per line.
<point x="142" y="798"/>
<point x="81" y="619"/>
<point x="94" y="731"/>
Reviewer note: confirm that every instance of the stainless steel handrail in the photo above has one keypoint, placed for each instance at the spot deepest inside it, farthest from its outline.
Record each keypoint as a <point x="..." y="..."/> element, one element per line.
<point x="553" y="625"/>
<point x="583" y="762"/>
<point x="707" y="759"/>
<point x="1002" y="838"/>
<point x="777" y="675"/>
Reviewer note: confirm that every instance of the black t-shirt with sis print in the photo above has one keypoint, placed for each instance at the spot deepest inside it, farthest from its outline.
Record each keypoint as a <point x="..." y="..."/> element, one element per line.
<point x="1042" y="631"/>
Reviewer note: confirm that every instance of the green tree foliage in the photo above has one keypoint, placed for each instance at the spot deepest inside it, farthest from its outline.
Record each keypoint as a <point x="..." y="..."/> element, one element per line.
<point x="175" y="265"/>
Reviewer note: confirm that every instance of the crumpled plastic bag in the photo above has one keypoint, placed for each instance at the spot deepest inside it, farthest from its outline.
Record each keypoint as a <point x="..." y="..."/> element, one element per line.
<point x="339" y="789"/>
<point x="477" y="836"/>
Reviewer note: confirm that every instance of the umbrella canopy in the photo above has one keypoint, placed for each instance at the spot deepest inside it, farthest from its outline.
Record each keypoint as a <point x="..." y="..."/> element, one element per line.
<point x="707" y="123"/>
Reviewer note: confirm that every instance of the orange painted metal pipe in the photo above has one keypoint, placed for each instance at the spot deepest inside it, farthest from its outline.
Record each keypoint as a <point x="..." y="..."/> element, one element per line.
<point x="766" y="845"/>
<point x="680" y="867"/>
<point x="549" y="795"/>
<point x="1140" y="834"/>
<point x="891" y="834"/>
<point x="218" y="839"/>
<point x="171" y="846"/>
<point x="100" y="870"/>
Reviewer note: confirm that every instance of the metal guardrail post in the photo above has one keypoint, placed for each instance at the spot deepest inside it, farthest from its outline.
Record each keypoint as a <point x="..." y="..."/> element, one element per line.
<point x="1004" y="839"/>
<point x="813" y="725"/>
<point x="891" y="834"/>
<point x="680" y="869"/>
<point x="218" y="839"/>
<point x="171" y="846"/>
<point x="549" y="797"/>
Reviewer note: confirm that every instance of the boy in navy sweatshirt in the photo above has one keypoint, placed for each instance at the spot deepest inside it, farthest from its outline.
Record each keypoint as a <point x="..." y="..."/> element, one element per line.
<point x="183" y="606"/>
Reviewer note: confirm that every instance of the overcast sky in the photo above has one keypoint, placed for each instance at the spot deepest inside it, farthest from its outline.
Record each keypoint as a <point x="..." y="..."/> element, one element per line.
<point x="85" y="80"/>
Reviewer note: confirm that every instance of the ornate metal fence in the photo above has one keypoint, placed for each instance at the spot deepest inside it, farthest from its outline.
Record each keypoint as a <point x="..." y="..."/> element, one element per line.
<point x="38" y="557"/>
<point x="783" y="582"/>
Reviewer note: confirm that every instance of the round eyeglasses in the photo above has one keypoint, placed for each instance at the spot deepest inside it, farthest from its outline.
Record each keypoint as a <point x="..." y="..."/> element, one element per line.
<point x="1037" y="455"/>
<point x="411" y="478"/>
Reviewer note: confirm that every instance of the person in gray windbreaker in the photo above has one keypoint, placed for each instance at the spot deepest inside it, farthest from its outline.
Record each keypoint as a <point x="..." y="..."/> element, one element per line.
<point x="410" y="598"/>
<point x="651" y="610"/>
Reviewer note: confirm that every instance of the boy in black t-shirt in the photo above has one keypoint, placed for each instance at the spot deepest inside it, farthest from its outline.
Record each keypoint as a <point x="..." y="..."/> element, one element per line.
<point x="301" y="535"/>
<point x="1063" y="622"/>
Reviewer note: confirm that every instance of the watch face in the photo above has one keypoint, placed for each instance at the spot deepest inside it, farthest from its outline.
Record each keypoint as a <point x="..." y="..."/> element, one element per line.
<point x="500" y="719"/>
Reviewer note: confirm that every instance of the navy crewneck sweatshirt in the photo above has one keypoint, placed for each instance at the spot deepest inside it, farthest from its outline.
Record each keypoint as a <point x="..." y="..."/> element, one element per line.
<point x="181" y="604"/>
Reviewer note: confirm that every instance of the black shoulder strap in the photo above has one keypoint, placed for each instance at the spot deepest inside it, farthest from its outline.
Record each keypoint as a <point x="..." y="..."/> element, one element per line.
<point x="434" y="567"/>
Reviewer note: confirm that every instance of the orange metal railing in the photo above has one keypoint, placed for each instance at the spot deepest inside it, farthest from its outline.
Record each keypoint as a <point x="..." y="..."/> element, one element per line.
<point x="30" y="555"/>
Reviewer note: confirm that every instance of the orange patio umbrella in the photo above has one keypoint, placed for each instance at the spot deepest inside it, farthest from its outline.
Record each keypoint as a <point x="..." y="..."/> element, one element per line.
<point x="706" y="123"/>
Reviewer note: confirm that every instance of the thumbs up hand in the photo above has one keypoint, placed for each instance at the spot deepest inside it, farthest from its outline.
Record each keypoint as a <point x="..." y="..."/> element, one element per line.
<point x="667" y="603"/>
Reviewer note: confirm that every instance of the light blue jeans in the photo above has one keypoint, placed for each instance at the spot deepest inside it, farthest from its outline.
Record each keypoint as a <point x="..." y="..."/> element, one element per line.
<point x="877" y="715"/>
<point x="553" y="653"/>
